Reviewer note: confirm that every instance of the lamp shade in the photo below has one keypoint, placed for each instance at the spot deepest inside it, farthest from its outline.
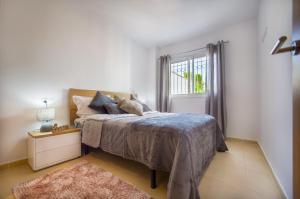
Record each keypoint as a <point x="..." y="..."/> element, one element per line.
<point x="46" y="114"/>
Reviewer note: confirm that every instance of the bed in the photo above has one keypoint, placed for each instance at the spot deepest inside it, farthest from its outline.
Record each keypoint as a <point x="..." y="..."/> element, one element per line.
<point x="182" y="144"/>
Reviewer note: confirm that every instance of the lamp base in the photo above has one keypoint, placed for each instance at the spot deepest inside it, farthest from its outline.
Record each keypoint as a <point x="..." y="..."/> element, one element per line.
<point x="46" y="128"/>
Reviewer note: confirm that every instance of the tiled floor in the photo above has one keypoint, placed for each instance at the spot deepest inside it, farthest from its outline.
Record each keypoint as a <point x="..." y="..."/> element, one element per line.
<point x="240" y="173"/>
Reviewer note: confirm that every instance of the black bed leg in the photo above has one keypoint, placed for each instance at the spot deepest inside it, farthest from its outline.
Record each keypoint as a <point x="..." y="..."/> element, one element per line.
<point x="86" y="149"/>
<point x="153" y="178"/>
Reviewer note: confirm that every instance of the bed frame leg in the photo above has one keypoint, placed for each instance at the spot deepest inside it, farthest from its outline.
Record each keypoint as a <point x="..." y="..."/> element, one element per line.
<point x="86" y="149"/>
<point x="153" y="178"/>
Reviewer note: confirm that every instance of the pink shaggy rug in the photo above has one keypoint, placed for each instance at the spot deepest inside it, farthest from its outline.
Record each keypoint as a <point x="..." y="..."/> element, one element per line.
<point x="82" y="180"/>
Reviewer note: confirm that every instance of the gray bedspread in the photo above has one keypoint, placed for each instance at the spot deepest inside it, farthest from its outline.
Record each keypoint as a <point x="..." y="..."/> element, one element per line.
<point x="180" y="143"/>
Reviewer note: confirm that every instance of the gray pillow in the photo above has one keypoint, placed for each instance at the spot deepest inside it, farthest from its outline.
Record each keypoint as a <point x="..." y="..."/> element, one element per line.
<point x="113" y="108"/>
<point x="98" y="102"/>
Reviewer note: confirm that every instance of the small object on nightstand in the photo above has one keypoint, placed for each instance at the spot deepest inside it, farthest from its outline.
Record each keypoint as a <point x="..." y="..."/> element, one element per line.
<point x="46" y="116"/>
<point x="58" y="129"/>
<point x="47" y="149"/>
<point x="54" y="126"/>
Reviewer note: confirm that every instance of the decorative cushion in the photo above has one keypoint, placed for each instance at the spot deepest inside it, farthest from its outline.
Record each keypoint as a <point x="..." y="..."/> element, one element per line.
<point x="113" y="108"/>
<point x="82" y="104"/>
<point x="145" y="107"/>
<point x="118" y="99"/>
<point x="131" y="106"/>
<point x="98" y="102"/>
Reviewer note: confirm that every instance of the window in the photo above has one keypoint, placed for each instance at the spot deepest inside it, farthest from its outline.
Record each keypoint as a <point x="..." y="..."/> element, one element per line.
<point x="189" y="76"/>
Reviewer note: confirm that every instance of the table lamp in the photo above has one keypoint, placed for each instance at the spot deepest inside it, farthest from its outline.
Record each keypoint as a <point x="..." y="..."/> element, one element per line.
<point x="46" y="116"/>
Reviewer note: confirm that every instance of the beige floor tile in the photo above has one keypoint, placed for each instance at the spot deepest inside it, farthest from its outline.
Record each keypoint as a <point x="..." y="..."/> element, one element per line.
<point x="240" y="173"/>
<point x="213" y="188"/>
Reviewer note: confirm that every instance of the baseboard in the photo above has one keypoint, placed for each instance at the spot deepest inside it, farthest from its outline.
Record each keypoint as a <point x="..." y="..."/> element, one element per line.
<point x="13" y="163"/>
<point x="273" y="171"/>
<point x="241" y="139"/>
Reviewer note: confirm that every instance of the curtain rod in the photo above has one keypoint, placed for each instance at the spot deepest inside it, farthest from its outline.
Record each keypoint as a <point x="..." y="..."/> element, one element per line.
<point x="225" y="42"/>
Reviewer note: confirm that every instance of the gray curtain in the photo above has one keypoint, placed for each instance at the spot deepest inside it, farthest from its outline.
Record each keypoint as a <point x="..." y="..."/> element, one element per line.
<point x="163" y="73"/>
<point x="216" y="98"/>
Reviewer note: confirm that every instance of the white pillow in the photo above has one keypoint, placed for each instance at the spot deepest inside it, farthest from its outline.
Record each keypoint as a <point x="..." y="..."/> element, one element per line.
<point x="82" y="104"/>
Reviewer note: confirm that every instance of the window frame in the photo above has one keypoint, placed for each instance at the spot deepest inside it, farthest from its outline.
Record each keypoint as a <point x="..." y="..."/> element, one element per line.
<point x="188" y="59"/>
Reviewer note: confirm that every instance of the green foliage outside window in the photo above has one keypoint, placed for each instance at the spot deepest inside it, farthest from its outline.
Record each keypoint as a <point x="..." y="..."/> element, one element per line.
<point x="199" y="83"/>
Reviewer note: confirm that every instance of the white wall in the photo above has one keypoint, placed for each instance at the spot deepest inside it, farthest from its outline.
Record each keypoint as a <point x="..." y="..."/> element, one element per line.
<point x="47" y="47"/>
<point x="241" y="80"/>
<point x="143" y="77"/>
<point x="275" y="83"/>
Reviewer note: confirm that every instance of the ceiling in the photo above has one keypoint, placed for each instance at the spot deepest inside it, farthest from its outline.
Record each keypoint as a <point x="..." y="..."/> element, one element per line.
<point x="162" y="22"/>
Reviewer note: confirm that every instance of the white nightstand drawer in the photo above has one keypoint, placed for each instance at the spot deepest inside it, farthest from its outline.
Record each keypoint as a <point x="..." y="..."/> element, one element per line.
<point x="51" y="157"/>
<point x="53" y="142"/>
<point x="48" y="149"/>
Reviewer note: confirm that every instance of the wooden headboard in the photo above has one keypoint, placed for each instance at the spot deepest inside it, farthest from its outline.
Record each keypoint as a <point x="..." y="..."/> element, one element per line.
<point x="88" y="93"/>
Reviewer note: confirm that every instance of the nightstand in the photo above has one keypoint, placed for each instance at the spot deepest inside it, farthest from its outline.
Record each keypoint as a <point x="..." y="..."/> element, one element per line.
<point x="47" y="149"/>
